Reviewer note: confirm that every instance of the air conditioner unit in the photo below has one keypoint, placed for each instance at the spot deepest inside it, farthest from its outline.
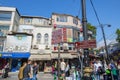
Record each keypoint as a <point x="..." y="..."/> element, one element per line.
<point x="35" y="47"/>
<point x="47" y="47"/>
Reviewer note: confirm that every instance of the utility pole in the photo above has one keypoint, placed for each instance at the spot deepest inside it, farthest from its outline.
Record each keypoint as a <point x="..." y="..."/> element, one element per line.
<point x="84" y="25"/>
<point x="106" y="49"/>
<point x="58" y="61"/>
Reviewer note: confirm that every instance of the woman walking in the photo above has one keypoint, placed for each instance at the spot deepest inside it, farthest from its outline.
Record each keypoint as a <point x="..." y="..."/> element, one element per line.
<point x="20" y="74"/>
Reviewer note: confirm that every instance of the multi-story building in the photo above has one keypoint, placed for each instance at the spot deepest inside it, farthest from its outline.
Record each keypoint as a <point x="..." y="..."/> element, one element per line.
<point x="71" y="31"/>
<point x="9" y="22"/>
<point x="41" y="29"/>
<point x="66" y="31"/>
<point x="42" y="34"/>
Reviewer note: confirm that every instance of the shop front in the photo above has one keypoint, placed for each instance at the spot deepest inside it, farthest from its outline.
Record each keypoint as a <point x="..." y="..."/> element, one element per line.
<point x="14" y="58"/>
<point x="43" y="60"/>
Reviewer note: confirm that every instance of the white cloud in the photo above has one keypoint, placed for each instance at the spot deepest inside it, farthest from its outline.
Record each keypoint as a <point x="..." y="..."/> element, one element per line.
<point x="101" y="43"/>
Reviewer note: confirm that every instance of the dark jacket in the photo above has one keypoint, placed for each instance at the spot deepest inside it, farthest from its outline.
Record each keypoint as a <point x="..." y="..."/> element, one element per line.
<point x="26" y="70"/>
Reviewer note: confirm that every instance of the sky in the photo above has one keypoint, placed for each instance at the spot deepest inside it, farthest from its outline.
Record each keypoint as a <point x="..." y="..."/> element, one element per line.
<point x="108" y="12"/>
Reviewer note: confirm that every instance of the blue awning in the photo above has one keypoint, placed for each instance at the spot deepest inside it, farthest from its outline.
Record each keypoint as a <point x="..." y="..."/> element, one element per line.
<point x="15" y="54"/>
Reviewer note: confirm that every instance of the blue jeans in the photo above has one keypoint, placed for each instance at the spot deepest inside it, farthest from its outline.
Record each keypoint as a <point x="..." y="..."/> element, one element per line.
<point x="26" y="78"/>
<point x="34" y="77"/>
<point x="97" y="76"/>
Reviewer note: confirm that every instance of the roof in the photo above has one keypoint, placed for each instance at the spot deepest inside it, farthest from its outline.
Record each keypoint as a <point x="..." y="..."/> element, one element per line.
<point x="65" y="15"/>
<point x="28" y="16"/>
<point x="15" y="33"/>
<point x="9" y="9"/>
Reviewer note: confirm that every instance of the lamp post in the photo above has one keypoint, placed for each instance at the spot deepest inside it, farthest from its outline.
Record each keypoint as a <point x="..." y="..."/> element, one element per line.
<point x="106" y="49"/>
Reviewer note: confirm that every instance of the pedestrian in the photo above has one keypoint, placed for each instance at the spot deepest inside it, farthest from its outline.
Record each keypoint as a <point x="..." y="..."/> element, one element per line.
<point x="108" y="73"/>
<point x="35" y="70"/>
<point x="20" y="74"/>
<point x="6" y="70"/>
<point x="27" y="72"/>
<point x="114" y="70"/>
<point x="97" y="69"/>
<point x="75" y="75"/>
<point x="62" y="66"/>
<point x="67" y="73"/>
<point x="53" y="69"/>
<point x="56" y="67"/>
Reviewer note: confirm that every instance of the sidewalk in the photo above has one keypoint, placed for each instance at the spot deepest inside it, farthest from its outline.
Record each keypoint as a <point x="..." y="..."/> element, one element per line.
<point x="40" y="76"/>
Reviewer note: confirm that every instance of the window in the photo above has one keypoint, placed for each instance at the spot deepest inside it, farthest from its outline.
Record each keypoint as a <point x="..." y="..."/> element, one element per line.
<point x="4" y="30"/>
<point x="46" y="38"/>
<point x="61" y="48"/>
<point x="5" y="16"/>
<point x="62" y="18"/>
<point x="75" y="21"/>
<point x="27" y="20"/>
<point x="41" y="21"/>
<point x="38" y="38"/>
<point x="70" y="48"/>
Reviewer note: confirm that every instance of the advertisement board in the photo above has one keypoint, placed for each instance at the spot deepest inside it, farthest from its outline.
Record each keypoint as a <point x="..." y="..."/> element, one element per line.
<point x="18" y="43"/>
<point x="59" y="36"/>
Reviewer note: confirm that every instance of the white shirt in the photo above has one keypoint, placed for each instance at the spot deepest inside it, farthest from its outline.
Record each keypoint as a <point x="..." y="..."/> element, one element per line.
<point x="62" y="66"/>
<point x="67" y="68"/>
<point x="96" y="66"/>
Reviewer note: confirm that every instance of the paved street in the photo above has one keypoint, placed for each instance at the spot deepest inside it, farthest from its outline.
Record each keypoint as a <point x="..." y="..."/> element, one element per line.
<point x="41" y="76"/>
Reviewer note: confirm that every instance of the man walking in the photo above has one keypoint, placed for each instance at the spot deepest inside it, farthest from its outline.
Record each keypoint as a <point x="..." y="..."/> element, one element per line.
<point x="35" y="70"/>
<point x="27" y="72"/>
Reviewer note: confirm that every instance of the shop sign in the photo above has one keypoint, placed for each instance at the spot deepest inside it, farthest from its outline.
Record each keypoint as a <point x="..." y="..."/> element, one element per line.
<point x="86" y="44"/>
<point x="7" y="55"/>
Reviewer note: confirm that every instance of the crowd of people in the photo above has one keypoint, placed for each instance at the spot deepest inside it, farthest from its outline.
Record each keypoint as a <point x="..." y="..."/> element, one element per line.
<point x="28" y="71"/>
<point x="109" y="71"/>
<point x="66" y="71"/>
<point x="100" y="70"/>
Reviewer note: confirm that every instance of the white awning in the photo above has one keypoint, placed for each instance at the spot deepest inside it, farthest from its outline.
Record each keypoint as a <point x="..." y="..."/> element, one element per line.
<point x="62" y="55"/>
<point x="40" y="57"/>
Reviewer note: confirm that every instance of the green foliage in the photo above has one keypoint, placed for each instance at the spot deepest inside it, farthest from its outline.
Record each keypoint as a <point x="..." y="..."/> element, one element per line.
<point x="92" y="28"/>
<point x="118" y="35"/>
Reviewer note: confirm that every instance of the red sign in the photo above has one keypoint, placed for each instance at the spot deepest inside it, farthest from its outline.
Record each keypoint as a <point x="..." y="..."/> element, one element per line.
<point x="64" y="35"/>
<point x="59" y="35"/>
<point x="86" y="44"/>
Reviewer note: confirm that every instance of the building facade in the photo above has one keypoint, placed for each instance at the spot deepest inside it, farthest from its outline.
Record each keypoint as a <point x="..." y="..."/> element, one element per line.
<point x="42" y="34"/>
<point x="41" y="37"/>
<point x="9" y="22"/>
<point x="70" y="34"/>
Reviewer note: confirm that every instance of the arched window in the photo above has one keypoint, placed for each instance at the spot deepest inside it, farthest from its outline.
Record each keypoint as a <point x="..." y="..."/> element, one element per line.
<point x="38" y="38"/>
<point x="46" y="36"/>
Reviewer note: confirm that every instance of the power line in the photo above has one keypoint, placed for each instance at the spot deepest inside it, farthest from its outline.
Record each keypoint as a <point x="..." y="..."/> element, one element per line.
<point x="95" y="12"/>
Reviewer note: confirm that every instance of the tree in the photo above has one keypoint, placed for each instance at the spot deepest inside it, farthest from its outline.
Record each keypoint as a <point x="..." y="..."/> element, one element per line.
<point x="118" y="35"/>
<point x="93" y="29"/>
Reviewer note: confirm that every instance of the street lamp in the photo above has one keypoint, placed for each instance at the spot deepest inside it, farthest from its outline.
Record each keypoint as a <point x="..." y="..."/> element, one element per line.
<point x="102" y="28"/>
